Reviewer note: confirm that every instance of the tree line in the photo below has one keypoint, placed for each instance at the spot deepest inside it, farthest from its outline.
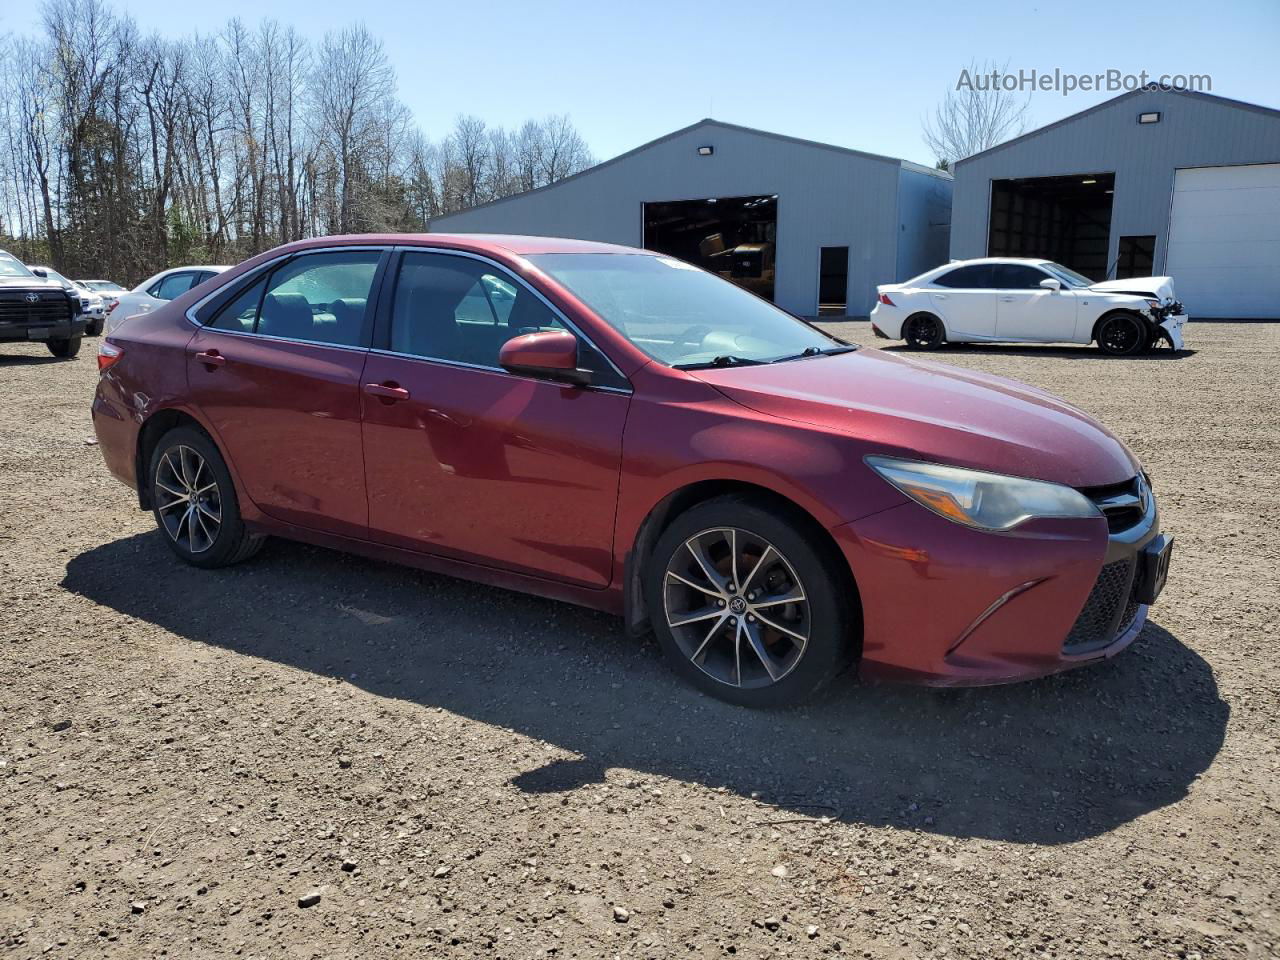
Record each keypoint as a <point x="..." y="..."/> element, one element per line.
<point x="123" y="153"/>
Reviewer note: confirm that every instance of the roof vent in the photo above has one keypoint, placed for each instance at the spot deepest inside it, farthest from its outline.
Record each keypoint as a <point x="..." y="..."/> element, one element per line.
<point x="1153" y="117"/>
<point x="706" y="151"/>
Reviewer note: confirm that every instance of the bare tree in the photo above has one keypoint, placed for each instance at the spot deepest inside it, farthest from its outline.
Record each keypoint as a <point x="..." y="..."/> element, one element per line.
<point x="978" y="114"/>
<point x="351" y="80"/>
<point x="121" y="154"/>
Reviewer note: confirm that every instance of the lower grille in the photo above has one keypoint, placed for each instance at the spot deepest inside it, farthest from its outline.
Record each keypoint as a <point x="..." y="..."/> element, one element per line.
<point x="1109" y="611"/>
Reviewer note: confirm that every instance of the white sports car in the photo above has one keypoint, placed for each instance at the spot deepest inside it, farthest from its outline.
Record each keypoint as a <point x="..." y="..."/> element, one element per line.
<point x="1028" y="301"/>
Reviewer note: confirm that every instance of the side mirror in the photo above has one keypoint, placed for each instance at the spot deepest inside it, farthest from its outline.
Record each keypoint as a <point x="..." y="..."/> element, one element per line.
<point x="1049" y="283"/>
<point x="551" y="354"/>
<point x="40" y="272"/>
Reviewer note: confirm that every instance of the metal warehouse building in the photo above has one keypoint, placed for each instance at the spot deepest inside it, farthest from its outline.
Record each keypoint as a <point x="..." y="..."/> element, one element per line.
<point x="811" y="226"/>
<point x="1153" y="182"/>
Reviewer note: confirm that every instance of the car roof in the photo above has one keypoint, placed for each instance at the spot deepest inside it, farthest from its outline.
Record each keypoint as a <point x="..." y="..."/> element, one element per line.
<point x="1031" y="260"/>
<point x="477" y="242"/>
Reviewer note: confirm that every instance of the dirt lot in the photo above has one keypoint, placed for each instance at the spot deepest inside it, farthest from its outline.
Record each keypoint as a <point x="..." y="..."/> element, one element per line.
<point x="187" y="758"/>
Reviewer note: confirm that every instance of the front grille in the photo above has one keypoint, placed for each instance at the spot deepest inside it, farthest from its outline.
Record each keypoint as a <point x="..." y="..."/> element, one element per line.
<point x="1108" y="612"/>
<point x="1123" y="504"/>
<point x="50" y="310"/>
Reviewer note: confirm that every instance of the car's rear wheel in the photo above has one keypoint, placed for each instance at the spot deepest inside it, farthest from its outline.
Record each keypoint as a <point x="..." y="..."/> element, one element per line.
<point x="744" y="605"/>
<point x="1123" y="335"/>
<point x="66" y="347"/>
<point x="194" y="501"/>
<point x="924" y="331"/>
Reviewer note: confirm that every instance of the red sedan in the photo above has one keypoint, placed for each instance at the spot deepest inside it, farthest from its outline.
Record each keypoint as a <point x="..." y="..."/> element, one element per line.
<point x="619" y="429"/>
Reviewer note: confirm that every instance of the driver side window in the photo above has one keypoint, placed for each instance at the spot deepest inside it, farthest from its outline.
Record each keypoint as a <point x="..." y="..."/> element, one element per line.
<point x="455" y="308"/>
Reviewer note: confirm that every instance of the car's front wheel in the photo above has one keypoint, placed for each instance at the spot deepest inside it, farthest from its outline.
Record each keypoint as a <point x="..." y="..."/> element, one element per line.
<point x="924" y="331"/>
<point x="1123" y="335"/>
<point x="65" y="347"/>
<point x="194" y="501"/>
<point x="744" y="605"/>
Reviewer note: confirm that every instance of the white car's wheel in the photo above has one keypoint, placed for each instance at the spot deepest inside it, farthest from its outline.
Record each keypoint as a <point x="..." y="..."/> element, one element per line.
<point x="924" y="331"/>
<point x="1123" y="334"/>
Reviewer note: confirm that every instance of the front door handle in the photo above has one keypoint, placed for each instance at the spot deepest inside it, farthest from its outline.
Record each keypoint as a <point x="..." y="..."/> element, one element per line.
<point x="1008" y="299"/>
<point x="211" y="358"/>
<point x="389" y="392"/>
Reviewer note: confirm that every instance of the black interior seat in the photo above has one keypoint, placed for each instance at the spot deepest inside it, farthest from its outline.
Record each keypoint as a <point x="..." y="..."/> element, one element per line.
<point x="286" y="315"/>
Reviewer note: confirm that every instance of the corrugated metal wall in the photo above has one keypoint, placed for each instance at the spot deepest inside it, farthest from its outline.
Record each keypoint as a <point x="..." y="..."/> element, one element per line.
<point x="1194" y="131"/>
<point x="826" y="197"/>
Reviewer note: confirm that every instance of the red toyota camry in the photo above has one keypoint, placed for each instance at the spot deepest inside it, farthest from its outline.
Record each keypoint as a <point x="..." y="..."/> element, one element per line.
<point x="617" y="428"/>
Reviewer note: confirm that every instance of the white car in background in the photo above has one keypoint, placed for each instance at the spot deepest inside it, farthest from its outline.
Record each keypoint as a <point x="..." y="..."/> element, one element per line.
<point x="157" y="290"/>
<point x="1011" y="300"/>
<point x="92" y="306"/>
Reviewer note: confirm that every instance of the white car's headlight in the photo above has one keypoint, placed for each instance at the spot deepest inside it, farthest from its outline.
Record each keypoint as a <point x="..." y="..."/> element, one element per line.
<point x="984" y="501"/>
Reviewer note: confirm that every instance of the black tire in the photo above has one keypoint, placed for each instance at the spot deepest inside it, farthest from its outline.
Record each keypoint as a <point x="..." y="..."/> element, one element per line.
<point x="924" y="331"/>
<point x="231" y="542"/>
<point x="830" y="620"/>
<point x="1123" y="335"/>
<point x="65" y="347"/>
<point x="94" y="329"/>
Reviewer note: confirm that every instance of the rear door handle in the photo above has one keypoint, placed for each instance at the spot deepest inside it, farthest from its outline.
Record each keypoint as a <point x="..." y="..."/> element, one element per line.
<point x="211" y="358"/>
<point x="388" y="392"/>
<point x="1008" y="299"/>
<point x="940" y="296"/>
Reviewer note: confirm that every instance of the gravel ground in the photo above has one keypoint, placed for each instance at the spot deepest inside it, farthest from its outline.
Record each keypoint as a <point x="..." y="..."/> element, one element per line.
<point x="313" y="755"/>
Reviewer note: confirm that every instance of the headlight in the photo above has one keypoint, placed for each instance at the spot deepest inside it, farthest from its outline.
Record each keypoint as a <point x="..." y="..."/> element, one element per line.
<point x="985" y="501"/>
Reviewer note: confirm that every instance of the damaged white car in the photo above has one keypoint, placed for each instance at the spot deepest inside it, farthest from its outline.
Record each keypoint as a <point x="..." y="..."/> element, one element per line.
<point x="1005" y="299"/>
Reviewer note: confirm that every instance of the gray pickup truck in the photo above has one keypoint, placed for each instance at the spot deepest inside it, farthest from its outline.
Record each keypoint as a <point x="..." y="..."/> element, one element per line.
<point x="36" y="309"/>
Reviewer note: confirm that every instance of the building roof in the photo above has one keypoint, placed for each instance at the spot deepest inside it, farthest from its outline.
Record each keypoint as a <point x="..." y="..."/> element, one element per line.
<point x="1141" y="91"/>
<point x="708" y="122"/>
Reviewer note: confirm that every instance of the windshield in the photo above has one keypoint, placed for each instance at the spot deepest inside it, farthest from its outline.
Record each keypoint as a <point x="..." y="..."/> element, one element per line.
<point x="102" y="285"/>
<point x="679" y="314"/>
<point x="11" y="266"/>
<point x="1067" y="275"/>
<point x="55" y="275"/>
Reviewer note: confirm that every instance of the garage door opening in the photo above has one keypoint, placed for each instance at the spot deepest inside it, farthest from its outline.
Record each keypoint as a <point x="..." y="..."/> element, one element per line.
<point x="1067" y="219"/>
<point x="730" y="236"/>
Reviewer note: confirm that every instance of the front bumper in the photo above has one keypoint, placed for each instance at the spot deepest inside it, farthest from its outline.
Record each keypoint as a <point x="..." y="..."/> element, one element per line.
<point x="950" y="606"/>
<point x="1172" y="327"/>
<point x="42" y="332"/>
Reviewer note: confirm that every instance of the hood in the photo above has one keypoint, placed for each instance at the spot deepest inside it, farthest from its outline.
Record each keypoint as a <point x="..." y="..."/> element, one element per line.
<point x="28" y="283"/>
<point x="1159" y="287"/>
<point x="934" y="412"/>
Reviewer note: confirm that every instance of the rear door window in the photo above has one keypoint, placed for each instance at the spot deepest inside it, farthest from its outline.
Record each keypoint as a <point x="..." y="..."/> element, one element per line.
<point x="316" y="297"/>
<point x="977" y="276"/>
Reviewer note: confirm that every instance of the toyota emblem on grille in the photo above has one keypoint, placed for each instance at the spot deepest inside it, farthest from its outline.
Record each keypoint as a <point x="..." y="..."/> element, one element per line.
<point x="33" y="298"/>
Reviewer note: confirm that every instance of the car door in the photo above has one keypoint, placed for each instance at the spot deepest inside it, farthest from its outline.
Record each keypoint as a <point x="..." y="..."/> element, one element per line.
<point x="1027" y="311"/>
<point x="965" y="301"/>
<point x="466" y="460"/>
<point x="276" y="372"/>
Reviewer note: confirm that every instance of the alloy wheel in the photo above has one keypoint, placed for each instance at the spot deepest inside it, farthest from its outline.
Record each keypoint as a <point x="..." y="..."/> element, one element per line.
<point x="189" y="502"/>
<point x="924" y="332"/>
<point x="736" y="607"/>
<point x="1121" y="335"/>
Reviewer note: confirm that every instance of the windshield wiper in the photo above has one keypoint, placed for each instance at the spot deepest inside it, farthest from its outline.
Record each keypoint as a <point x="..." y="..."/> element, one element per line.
<point x="817" y="352"/>
<point x="724" y="360"/>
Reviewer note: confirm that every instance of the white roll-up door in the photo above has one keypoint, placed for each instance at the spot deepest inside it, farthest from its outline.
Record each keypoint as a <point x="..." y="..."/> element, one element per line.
<point x="1224" y="240"/>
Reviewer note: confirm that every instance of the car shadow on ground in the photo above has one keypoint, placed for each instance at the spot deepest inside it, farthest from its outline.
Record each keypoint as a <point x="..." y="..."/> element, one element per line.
<point x="1047" y="762"/>
<point x="26" y="360"/>
<point x="1078" y="352"/>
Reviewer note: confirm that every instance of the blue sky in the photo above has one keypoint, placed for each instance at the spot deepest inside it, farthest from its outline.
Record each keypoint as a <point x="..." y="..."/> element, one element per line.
<point x="857" y="74"/>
